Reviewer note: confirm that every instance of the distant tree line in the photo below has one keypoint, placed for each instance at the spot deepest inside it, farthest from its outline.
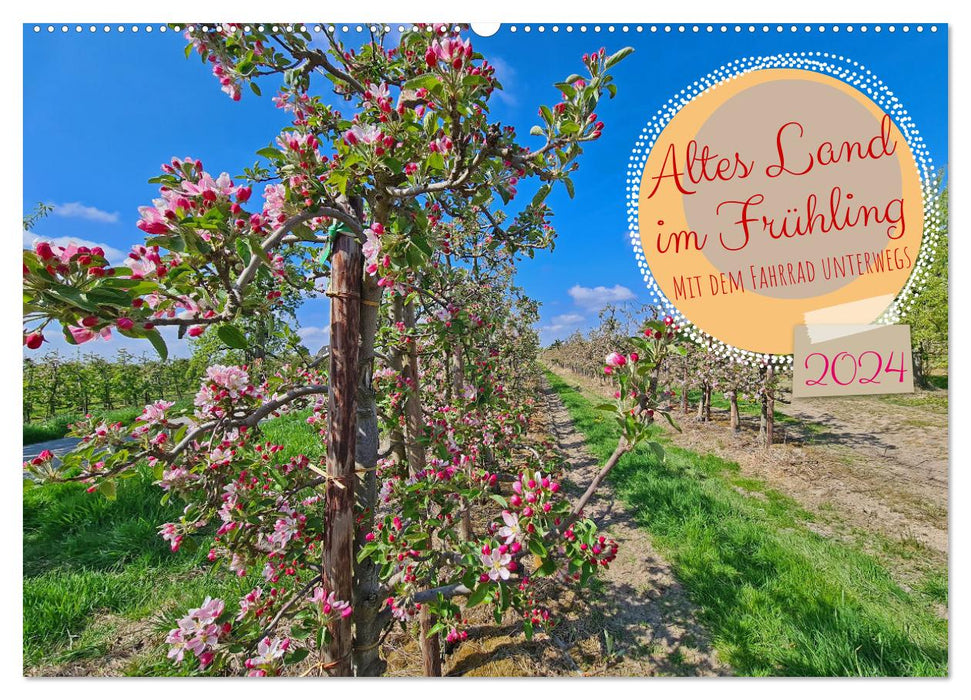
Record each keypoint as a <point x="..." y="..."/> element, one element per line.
<point x="57" y="383"/>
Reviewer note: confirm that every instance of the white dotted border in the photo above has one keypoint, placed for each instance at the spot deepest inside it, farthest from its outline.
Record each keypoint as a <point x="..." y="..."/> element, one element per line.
<point x="569" y="28"/>
<point x="846" y="70"/>
<point x="865" y="79"/>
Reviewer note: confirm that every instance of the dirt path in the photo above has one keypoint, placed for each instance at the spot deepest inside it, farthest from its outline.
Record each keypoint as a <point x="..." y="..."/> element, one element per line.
<point x="887" y="458"/>
<point x="641" y="605"/>
<point x="651" y="626"/>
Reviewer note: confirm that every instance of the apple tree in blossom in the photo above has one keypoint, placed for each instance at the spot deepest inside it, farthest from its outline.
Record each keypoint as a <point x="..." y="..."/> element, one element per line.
<point x="398" y="195"/>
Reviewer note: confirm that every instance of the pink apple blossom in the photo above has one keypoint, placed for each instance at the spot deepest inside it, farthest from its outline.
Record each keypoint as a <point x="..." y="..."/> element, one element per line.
<point x="497" y="565"/>
<point x="511" y="530"/>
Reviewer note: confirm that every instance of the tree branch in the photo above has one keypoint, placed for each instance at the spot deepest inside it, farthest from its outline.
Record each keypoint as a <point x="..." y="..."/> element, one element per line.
<point x="622" y="449"/>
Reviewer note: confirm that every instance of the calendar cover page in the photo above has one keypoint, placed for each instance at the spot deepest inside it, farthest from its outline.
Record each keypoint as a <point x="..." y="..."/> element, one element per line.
<point x="447" y="349"/>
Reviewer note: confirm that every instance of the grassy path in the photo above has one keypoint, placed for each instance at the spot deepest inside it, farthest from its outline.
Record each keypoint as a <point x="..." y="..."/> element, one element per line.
<point x="777" y="598"/>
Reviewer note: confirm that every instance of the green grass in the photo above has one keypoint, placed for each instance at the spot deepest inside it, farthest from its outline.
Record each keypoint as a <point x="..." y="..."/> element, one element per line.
<point x="57" y="427"/>
<point x="291" y="431"/>
<point x="777" y="598"/>
<point x="90" y="563"/>
<point x="932" y="401"/>
<point x="91" y="566"/>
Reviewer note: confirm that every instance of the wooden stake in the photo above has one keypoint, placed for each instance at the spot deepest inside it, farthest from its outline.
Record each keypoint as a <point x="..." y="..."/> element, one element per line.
<point x="345" y="338"/>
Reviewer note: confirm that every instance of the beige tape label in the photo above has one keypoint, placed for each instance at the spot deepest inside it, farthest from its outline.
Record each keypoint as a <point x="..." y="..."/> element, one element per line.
<point x="845" y="360"/>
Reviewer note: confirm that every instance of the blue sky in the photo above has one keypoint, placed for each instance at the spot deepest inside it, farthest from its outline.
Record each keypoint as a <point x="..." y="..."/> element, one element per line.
<point x="102" y="111"/>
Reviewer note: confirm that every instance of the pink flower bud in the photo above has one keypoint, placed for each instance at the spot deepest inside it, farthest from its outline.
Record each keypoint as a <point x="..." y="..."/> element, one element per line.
<point x="615" y="359"/>
<point x="43" y="249"/>
<point x="34" y="340"/>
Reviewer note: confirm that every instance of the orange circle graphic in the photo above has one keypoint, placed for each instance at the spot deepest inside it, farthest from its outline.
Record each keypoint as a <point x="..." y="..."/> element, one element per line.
<point x="780" y="198"/>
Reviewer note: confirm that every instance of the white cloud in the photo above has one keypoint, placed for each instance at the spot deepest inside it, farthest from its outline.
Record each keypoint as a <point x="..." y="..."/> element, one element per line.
<point x="314" y="334"/>
<point x="560" y="326"/>
<point x="506" y="75"/>
<point x="564" y="320"/>
<point x="113" y="255"/>
<point x="595" y="298"/>
<point x="76" y="210"/>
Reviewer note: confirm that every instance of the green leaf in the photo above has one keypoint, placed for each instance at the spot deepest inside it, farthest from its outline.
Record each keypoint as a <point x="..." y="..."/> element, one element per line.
<point x="255" y="88"/>
<point x="414" y="257"/>
<point x="569" y="186"/>
<point x="657" y="450"/>
<point x="299" y="633"/>
<point x="270" y="153"/>
<point x="479" y="594"/>
<point x="339" y="180"/>
<point x="541" y="194"/>
<point x="670" y="420"/>
<point x="243" y="249"/>
<point x="548" y="567"/>
<point x="366" y="551"/>
<point x="174" y="243"/>
<point x="436" y="161"/>
<point x="298" y="656"/>
<point x="537" y="548"/>
<point x="427" y="81"/>
<point x="71" y="296"/>
<point x="536" y="130"/>
<point x="473" y="80"/>
<point x="155" y="338"/>
<point x="105" y="296"/>
<point x="528" y="629"/>
<point x="612" y="407"/>
<point x="108" y="489"/>
<point x="420" y="242"/>
<point x="619" y="56"/>
<point x="232" y="336"/>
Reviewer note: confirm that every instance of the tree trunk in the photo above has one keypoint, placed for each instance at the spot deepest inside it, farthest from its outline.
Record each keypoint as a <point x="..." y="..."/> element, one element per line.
<point x="733" y="401"/>
<point x="767" y="414"/>
<point x="457" y="376"/>
<point x="345" y="337"/>
<point x="770" y="414"/>
<point x="414" y="426"/>
<point x="701" y="404"/>
<point x="368" y="625"/>
<point x="684" y="390"/>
